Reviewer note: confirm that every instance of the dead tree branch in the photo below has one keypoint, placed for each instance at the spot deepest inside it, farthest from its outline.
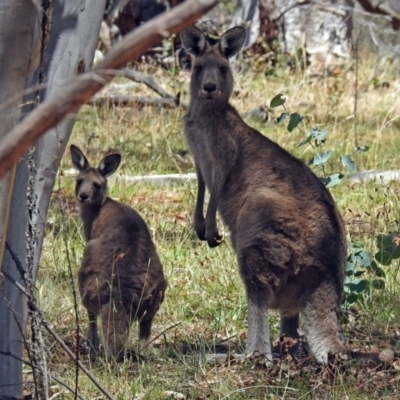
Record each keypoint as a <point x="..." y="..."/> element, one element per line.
<point x="387" y="8"/>
<point x="52" y="111"/>
<point x="149" y="81"/>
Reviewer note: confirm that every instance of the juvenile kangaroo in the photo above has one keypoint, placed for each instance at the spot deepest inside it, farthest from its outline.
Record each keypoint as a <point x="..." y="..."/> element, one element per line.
<point x="285" y="228"/>
<point x="121" y="277"/>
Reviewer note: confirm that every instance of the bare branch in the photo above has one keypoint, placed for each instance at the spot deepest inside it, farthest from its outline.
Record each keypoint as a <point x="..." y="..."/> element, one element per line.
<point x="52" y="111"/>
<point x="147" y="80"/>
<point x="391" y="9"/>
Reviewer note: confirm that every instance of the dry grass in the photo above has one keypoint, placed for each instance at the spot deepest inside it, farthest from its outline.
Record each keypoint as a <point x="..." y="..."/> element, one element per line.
<point x="205" y="304"/>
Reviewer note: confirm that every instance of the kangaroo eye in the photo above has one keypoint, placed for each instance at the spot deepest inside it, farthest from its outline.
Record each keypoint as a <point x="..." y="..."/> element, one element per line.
<point x="79" y="182"/>
<point x="198" y="69"/>
<point x="223" y="70"/>
<point x="96" y="185"/>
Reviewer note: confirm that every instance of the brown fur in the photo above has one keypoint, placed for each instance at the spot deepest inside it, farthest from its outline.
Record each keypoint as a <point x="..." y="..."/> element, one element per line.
<point x="121" y="277"/>
<point x="285" y="228"/>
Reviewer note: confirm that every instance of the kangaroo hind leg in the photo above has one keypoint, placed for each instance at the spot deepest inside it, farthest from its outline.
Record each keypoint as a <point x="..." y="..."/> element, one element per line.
<point x="251" y="263"/>
<point x="115" y="324"/>
<point x="321" y="322"/>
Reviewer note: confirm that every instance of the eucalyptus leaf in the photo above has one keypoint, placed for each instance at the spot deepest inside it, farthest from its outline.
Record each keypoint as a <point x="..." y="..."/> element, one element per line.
<point x="294" y="121"/>
<point x="333" y="180"/>
<point x="363" y="258"/>
<point x="383" y="257"/>
<point x="277" y="101"/>
<point x="322" y="158"/>
<point x="378" y="284"/>
<point x="317" y="134"/>
<point x="282" y="117"/>
<point x="348" y="163"/>
<point x="358" y="286"/>
<point x="384" y="241"/>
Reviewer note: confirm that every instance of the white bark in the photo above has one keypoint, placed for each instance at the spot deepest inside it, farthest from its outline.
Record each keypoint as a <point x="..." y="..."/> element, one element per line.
<point x="247" y="13"/>
<point x="322" y="27"/>
<point x="74" y="29"/>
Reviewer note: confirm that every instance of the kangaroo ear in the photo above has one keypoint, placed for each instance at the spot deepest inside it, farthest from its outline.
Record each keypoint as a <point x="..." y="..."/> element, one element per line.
<point x="193" y="40"/>
<point x="232" y="41"/>
<point x="79" y="161"/>
<point x="109" y="164"/>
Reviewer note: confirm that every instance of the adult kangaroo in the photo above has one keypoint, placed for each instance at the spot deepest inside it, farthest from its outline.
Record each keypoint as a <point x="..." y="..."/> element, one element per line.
<point x="121" y="277"/>
<point x="285" y="228"/>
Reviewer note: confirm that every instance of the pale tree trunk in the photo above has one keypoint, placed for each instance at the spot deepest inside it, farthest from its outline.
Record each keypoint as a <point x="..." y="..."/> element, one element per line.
<point x="321" y="28"/>
<point x="17" y="24"/>
<point x="53" y="51"/>
<point x="247" y="13"/>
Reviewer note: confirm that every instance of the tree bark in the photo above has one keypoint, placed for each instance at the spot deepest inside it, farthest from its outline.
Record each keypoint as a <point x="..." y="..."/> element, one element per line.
<point x="68" y="30"/>
<point x="17" y="23"/>
<point x="322" y="29"/>
<point x="247" y="13"/>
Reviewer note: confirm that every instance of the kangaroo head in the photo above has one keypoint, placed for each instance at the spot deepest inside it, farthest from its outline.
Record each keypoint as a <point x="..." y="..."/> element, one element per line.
<point x="91" y="183"/>
<point x="211" y="73"/>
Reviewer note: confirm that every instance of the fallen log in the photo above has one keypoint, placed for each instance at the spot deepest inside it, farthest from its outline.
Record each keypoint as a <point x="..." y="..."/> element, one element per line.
<point x="134" y="101"/>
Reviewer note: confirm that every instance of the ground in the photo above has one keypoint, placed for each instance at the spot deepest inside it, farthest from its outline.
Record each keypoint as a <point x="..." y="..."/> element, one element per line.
<point x="205" y="305"/>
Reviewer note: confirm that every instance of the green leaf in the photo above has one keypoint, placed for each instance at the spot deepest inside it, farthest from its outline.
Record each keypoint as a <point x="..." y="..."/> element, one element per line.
<point x="383" y="257"/>
<point x="347" y="280"/>
<point x="277" y="101"/>
<point x="305" y="141"/>
<point x="333" y="180"/>
<point x="376" y="270"/>
<point x="295" y="119"/>
<point x="282" y="117"/>
<point x="362" y="149"/>
<point x="350" y="299"/>
<point x="384" y="241"/>
<point x="317" y="134"/>
<point x="358" y="286"/>
<point x="350" y="267"/>
<point x="322" y="158"/>
<point x="378" y="284"/>
<point x="396" y="252"/>
<point x="348" y="163"/>
<point x="363" y="258"/>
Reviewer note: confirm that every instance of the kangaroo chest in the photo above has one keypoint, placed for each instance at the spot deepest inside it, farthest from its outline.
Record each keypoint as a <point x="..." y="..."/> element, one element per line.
<point x="213" y="147"/>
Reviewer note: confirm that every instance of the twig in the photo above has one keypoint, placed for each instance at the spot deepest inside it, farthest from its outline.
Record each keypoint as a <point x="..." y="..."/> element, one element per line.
<point x="149" y="81"/>
<point x="59" y="340"/>
<point x="161" y="333"/>
<point x="52" y="111"/>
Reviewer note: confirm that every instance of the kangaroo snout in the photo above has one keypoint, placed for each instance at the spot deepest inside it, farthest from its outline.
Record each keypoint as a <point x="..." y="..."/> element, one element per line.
<point x="83" y="197"/>
<point x="209" y="88"/>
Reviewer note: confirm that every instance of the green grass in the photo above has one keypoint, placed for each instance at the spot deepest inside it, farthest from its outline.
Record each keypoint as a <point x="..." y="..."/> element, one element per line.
<point x="205" y="302"/>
